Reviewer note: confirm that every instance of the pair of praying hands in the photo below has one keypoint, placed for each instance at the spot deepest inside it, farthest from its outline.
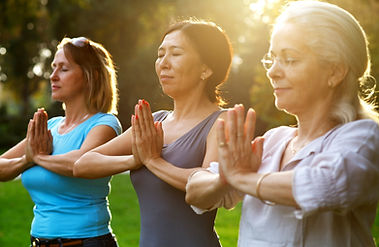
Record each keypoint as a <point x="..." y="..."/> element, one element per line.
<point x="147" y="141"/>
<point x="38" y="138"/>
<point x="238" y="153"/>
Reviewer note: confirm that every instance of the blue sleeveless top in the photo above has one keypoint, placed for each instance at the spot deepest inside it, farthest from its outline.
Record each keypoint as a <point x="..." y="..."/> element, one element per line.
<point x="69" y="207"/>
<point x="166" y="219"/>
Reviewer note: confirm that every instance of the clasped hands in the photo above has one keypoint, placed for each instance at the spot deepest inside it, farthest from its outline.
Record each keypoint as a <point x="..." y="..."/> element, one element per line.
<point x="147" y="141"/>
<point x="238" y="153"/>
<point x="38" y="138"/>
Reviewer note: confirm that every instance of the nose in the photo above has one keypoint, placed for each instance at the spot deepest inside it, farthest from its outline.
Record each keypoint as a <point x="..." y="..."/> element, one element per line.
<point x="163" y="62"/>
<point x="54" y="76"/>
<point x="275" y="71"/>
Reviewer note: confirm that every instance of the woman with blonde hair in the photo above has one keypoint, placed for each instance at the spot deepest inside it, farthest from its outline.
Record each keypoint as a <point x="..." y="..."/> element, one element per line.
<point x="316" y="184"/>
<point x="70" y="211"/>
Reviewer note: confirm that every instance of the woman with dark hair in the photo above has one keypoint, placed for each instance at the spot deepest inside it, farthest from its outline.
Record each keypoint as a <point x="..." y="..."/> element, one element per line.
<point x="194" y="58"/>
<point x="316" y="184"/>
<point x="70" y="211"/>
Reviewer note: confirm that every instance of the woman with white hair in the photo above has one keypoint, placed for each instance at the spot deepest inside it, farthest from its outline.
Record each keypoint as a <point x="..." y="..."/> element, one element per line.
<point x="316" y="184"/>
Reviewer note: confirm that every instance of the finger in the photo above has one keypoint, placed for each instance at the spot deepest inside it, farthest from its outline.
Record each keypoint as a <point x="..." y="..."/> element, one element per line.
<point x="32" y="131"/>
<point x="240" y="123"/>
<point x="220" y="127"/>
<point x="250" y="124"/>
<point x="147" y="110"/>
<point x="28" y="132"/>
<point x="50" y="136"/>
<point x="257" y="146"/>
<point x="232" y="128"/>
<point x="142" y="123"/>
<point x="134" y="126"/>
<point x="159" y="134"/>
<point x="38" y="127"/>
<point x="44" y="122"/>
<point x="137" y="126"/>
<point x="148" y="122"/>
<point x="133" y="123"/>
<point x="158" y="127"/>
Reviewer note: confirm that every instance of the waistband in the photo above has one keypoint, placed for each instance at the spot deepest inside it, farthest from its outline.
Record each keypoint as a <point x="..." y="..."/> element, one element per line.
<point x="63" y="242"/>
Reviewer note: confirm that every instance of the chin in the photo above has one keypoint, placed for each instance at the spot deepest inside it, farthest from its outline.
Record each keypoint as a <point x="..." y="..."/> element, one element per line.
<point x="281" y="106"/>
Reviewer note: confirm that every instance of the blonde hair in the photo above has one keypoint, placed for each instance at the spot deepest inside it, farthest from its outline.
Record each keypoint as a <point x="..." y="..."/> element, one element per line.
<point x="99" y="72"/>
<point x="337" y="37"/>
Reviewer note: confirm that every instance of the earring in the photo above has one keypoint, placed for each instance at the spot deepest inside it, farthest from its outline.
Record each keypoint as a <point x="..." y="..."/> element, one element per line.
<point x="202" y="77"/>
<point x="330" y="84"/>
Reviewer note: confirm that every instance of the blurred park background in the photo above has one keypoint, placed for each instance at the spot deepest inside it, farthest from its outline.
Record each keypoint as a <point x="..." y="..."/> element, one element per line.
<point x="131" y="31"/>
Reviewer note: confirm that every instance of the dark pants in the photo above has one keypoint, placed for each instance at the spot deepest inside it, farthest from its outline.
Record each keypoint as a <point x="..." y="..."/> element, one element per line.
<point x="101" y="241"/>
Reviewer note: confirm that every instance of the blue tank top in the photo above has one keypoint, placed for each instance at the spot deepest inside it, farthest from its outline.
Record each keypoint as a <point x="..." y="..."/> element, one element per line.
<point x="69" y="207"/>
<point x="166" y="219"/>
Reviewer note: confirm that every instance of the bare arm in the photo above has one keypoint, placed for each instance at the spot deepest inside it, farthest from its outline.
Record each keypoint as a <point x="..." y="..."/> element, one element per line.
<point x="149" y="139"/>
<point x="110" y="158"/>
<point x="208" y="190"/>
<point x="239" y="162"/>
<point x="15" y="161"/>
<point x="11" y="168"/>
<point x="64" y="163"/>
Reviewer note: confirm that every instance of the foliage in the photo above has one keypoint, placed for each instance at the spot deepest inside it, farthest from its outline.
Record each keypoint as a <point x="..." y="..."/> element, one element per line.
<point x="131" y="31"/>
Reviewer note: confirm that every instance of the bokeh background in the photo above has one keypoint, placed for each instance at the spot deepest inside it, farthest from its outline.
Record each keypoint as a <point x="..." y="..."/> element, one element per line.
<point x="131" y="31"/>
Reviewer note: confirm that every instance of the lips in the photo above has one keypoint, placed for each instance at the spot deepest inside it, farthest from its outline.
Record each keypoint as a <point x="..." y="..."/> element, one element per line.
<point x="54" y="87"/>
<point x="165" y="77"/>
<point x="281" y="89"/>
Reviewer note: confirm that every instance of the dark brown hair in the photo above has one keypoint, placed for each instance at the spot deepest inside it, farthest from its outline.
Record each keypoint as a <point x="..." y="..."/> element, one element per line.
<point x="214" y="48"/>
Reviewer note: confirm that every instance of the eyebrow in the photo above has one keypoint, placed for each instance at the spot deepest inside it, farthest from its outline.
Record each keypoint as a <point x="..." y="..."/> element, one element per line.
<point x="171" y="47"/>
<point x="60" y="63"/>
<point x="285" y="50"/>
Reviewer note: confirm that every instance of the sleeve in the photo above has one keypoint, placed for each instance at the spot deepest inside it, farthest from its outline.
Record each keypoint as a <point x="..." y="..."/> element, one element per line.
<point x="344" y="175"/>
<point x="230" y="199"/>
<point x="109" y="120"/>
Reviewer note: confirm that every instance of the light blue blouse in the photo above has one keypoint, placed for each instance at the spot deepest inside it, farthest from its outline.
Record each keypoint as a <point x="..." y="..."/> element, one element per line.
<point x="335" y="183"/>
<point x="69" y="207"/>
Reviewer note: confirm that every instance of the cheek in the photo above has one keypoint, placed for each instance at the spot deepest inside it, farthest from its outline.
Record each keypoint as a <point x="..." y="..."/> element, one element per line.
<point x="157" y="67"/>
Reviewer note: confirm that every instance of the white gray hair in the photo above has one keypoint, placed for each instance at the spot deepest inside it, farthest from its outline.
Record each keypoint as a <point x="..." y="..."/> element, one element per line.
<point x="337" y="37"/>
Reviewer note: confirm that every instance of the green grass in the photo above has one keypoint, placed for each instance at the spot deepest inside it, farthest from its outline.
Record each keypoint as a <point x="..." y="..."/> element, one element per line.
<point x="16" y="215"/>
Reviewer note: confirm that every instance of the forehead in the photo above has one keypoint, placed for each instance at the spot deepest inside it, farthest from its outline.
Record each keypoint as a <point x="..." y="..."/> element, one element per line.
<point x="175" y="39"/>
<point x="288" y="37"/>
<point x="61" y="57"/>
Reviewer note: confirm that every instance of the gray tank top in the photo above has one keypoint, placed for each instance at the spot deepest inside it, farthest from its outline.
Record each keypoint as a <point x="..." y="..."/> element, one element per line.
<point x="166" y="219"/>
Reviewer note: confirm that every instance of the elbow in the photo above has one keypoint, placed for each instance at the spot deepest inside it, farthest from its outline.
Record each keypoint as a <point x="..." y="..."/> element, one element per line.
<point x="5" y="177"/>
<point x="78" y="170"/>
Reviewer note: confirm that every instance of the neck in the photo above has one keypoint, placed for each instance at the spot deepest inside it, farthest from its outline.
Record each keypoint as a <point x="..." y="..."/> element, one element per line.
<point x="75" y="113"/>
<point x="313" y="125"/>
<point x="193" y="108"/>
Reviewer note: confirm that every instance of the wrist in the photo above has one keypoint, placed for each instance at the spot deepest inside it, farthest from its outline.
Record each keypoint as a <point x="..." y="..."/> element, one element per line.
<point x="150" y="162"/>
<point x="25" y="162"/>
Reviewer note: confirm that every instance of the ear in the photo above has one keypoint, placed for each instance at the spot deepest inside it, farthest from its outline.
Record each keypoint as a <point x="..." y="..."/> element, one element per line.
<point x="206" y="72"/>
<point x="337" y="74"/>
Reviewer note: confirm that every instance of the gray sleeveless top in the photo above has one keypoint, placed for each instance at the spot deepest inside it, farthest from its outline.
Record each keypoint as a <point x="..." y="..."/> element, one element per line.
<point x="166" y="219"/>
